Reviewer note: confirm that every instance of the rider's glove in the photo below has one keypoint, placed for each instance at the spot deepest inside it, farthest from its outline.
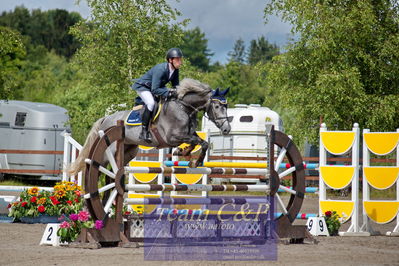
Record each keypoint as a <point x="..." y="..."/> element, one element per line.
<point x="172" y="94"/>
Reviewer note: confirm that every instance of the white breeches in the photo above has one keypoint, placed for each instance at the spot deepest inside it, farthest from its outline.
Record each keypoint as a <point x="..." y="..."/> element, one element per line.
<point x="147" y="98"/>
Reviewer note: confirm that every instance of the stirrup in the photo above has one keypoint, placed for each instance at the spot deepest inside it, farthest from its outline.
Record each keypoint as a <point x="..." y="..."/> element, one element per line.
<point x="145" y="135"/>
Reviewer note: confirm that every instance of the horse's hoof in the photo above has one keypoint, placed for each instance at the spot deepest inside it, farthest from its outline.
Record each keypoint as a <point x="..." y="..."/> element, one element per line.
<point x="177" y="152"/>
<point x="195" y="164"/>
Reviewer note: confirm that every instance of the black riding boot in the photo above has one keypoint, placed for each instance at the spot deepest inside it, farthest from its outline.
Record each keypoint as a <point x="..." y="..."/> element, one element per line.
<point x="145" y="134"/>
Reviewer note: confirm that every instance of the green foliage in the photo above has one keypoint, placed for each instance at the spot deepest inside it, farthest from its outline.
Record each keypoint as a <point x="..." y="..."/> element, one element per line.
<point x="12" y="54"/>
<point x="343" y="67"/>
<point x="48" y="28"/>
<point x="43" y="78"/>
<point x="333" y="222"/>
<point x="195" y="48"/>
<point x="243" y="80"/>
<point x="122" y="40"/>
<point x="261" y="50"/>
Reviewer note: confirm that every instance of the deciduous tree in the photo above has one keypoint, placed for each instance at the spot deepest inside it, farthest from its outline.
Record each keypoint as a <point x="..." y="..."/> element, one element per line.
<point x="342" y="67"/>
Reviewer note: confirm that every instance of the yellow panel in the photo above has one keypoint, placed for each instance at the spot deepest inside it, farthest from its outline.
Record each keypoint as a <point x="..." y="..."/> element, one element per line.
<point x="381" y="177"/>
<point x="145" y="178"/>
<point x="202" y="135"/>
<point x="188" y="179"/>
<point x="337" y="177"/>
<point x="139" y="208"/>
<point x="381" y="143"/>
<point x="146" y="148"/>
<point x="343" y="208"/>
<point x="381" y="212"/>
<point x="337" y="142"/>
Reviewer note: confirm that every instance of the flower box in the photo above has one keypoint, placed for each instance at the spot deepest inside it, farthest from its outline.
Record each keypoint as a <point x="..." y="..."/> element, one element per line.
<point x="41" y="219"/>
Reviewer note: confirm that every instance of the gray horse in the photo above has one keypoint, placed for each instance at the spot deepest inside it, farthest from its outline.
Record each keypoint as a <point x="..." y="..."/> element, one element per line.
<point x="175" y="124"/>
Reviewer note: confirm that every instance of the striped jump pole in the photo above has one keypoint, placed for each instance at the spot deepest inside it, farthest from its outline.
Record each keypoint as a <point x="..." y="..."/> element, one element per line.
<point x="193" y="201"/>
<point x="300" y="216"/>
<point x="307" y="189"/>
<point x="309" y="166"/>
<point x="204" y="171"/>
<point x="197" y="187"/>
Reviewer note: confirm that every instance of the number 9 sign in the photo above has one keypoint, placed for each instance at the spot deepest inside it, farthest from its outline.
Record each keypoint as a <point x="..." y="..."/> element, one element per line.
<point x="317" y="226"/>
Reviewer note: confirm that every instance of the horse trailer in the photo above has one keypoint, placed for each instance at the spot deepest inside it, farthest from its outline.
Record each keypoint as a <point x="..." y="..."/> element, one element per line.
<point x="247" y="136"/>
<point x="30" y="126"/>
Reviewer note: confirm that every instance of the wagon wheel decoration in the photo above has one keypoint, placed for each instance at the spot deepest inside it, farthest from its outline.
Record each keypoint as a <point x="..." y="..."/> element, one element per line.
<point x="100" y="195"/>
<point x="288" y="209"/>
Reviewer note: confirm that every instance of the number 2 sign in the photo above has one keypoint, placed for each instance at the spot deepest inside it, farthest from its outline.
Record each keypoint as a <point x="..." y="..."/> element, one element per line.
<point x="50" y="235"/>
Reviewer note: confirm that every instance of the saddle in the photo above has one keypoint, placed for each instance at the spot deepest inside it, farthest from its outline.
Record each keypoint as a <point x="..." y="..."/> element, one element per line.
<point x="134" y="117"/>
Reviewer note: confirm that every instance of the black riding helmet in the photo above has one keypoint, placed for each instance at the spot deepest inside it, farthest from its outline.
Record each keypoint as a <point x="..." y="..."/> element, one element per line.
<point x="173" y="52"/>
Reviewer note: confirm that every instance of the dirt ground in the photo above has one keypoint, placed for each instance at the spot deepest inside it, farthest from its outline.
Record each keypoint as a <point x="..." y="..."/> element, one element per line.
<point x="19" y="245"/>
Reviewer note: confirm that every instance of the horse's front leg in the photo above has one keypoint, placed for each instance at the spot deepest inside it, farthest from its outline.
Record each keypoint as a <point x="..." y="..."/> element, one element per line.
<point x="184" y="152"/>
<point x="194" y="140"/>
<point x="187" y="150"/>
<point x="204" y="148"/>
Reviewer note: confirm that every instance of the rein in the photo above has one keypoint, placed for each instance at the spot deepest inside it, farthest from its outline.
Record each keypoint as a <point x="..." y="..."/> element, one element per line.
<point x="215" y="118"/>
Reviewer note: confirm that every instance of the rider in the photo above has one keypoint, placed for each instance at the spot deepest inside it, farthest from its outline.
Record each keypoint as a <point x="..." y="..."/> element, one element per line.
<point x="154" y="82"/>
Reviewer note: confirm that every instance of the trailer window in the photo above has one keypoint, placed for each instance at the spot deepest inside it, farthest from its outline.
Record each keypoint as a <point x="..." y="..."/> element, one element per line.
<point x="20" y="119"/>
<point x="4" y="124"/>
<point x="230" y="118"/>
<point x="246" y="118"/>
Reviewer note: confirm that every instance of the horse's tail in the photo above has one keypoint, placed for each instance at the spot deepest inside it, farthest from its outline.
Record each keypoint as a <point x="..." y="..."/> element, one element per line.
<point x="79" y="164"/>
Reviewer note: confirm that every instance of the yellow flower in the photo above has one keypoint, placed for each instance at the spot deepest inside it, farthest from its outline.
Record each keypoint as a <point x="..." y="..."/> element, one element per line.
<point x="60" y="193"/>
<point x="33" y="191"/>
<point x="41" y="201"/>
<point x="58" y="187"/>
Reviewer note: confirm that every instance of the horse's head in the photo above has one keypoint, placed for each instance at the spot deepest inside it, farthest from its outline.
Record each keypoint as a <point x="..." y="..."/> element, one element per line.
<point x="217" y="110"/>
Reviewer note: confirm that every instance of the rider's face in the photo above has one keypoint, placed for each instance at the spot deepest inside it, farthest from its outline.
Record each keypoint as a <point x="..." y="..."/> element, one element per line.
<point x="177" y="62"/>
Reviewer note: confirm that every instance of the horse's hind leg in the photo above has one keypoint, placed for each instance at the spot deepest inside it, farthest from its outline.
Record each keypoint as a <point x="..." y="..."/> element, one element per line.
<point x="130" y="153"/>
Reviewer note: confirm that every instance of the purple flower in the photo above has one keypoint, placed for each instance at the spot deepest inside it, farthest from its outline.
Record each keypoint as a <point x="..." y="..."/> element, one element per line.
<point x="73" y="217"/>
<point x="83" y="216"/>
<point x="99" y="224"/>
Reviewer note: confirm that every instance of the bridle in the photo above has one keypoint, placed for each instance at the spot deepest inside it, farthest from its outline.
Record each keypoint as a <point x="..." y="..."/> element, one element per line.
<point x="210" y="110"/>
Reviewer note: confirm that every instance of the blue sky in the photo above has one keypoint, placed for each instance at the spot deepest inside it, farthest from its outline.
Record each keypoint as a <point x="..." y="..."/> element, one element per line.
<point x="223" y="21"/>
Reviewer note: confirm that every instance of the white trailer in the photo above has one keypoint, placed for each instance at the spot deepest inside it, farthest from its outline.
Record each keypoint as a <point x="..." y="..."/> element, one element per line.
<point x="32" y="126"/>
<point x="247" y="136"/>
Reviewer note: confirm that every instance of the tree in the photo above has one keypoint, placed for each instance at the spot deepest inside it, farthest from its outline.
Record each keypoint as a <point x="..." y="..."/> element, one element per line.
<point x="12" y="54"/>
<point x="238" y="53"/>
<point x="195" y="48"/>
<point x="261" y="50"/>
<point x="48" y="28"/>
<point x="343" y="66"/>
<point x="122" y="40"/>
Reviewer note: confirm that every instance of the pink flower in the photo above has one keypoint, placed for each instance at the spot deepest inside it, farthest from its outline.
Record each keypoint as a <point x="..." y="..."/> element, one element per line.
<point x="65" y="224"/>
<point x="83" y="216"/>
<point x="73" y="217"/>
<point x="99" y="224"/>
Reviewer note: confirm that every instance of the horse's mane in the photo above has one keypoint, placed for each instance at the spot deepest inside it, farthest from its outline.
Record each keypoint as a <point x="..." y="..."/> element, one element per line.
<point x="188" y="85"/>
